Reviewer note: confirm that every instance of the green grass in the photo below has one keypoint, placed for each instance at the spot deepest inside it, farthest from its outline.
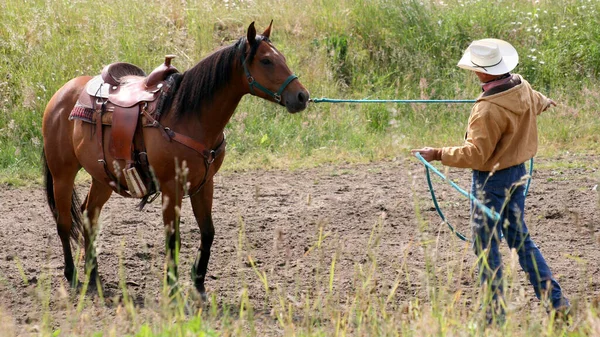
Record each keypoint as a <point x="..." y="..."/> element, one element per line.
<point x="347" y="49"/>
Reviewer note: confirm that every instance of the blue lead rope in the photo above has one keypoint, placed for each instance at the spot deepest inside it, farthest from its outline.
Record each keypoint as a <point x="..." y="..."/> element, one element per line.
<point x="332" y="100"/>
<point x="493" y="215"/>
<point x="490" y="213"/>
<point x="528" y="179"/>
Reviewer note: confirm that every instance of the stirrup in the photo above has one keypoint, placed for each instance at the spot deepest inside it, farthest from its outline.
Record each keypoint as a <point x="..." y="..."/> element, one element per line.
<point x="135" y="185"/>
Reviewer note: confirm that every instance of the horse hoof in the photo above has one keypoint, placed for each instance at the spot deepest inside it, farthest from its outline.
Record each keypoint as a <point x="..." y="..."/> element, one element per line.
<point x="76" y="285"/>
<point x="200" y="297"/>
<point x="94" y="288"/>
<point x="204" y="297"/>
<point x="175" y="294"/>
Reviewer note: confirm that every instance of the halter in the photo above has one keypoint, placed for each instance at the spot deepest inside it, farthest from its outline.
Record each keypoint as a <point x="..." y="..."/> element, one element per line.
<point x="252" y="82"/>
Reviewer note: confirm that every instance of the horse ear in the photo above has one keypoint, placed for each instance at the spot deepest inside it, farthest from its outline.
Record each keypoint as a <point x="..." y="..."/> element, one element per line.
<point x="267" y="31"/>
<point x="251" y="34"/>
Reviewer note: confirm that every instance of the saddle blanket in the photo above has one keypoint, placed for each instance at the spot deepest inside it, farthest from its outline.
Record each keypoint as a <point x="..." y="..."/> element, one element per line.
<point x="86" y="114"/>
<point x="82" y="113"/>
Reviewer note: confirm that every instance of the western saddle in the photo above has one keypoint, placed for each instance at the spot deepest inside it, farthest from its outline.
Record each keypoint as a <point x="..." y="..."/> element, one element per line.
<point x="118" y="97"/>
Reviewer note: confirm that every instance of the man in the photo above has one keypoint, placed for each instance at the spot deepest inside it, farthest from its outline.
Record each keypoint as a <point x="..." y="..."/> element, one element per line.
<point x="501" y="136"/>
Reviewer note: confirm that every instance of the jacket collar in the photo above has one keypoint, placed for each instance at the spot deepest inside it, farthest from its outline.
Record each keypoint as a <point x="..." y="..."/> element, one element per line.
<point x="500" y="85"/>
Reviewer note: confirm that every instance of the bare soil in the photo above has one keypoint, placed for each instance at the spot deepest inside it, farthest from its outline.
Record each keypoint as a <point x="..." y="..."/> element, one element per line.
<point x="276" y="217"/>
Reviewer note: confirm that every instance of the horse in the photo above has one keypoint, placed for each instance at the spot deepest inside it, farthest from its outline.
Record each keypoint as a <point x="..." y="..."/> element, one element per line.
<point x="189" y="130"/>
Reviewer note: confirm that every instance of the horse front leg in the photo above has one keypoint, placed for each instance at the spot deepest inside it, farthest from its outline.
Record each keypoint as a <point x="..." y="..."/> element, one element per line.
<point x="202" y="207"/>
<point x="171" y="204"/>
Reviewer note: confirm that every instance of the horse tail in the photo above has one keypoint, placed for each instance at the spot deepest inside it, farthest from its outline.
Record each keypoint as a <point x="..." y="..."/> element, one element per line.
<point x="49" y="185"/>
<point x="76" y="215"/>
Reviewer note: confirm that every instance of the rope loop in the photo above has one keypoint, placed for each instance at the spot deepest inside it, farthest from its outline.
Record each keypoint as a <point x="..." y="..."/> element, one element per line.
<point x="490" y="213"/>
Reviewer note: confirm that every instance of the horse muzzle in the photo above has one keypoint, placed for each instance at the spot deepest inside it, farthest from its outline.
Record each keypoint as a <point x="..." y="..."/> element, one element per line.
<point x="296" y="100"/>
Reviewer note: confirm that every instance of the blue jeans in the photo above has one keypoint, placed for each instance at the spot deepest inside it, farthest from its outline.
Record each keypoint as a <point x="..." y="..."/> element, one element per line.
<point x="503" y="191"/>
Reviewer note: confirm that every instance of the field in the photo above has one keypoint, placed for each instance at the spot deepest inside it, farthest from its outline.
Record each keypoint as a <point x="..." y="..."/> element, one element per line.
<point x="324" y="225"/>
<point x="336" y="250"/>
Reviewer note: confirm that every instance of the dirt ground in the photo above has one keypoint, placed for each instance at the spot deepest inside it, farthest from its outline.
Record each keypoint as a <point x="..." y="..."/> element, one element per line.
<point x="281" y="213"/>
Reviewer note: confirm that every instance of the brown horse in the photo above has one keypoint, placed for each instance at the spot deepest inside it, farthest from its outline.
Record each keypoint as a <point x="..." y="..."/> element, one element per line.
<point x="190" y="129"/>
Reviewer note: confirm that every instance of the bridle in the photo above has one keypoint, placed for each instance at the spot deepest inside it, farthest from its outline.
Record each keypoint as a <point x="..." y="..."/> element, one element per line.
<point x="253" y="83"/>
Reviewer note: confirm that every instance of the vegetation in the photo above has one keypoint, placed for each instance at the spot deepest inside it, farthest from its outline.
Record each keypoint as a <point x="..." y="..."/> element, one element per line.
<point x="352" y="49"/>
<point x="404" y="49"/>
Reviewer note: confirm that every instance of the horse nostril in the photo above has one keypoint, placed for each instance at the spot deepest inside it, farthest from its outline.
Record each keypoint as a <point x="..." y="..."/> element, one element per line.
<point x="301" y="97"/>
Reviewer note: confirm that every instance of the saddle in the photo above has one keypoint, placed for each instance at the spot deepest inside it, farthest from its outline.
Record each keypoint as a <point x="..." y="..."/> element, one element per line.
<point x="117" y="97"/>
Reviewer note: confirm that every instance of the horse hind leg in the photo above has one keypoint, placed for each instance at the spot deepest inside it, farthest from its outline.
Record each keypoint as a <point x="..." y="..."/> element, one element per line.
<point x="65" y="206"/>
<point x="97" y="196"/>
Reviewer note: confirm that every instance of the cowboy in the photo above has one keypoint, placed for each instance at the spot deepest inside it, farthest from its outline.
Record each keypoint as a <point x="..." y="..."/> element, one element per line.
<point x="501" y="136"/>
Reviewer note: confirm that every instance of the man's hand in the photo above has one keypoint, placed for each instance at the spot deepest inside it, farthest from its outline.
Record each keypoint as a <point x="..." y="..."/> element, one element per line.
<point x="429" y="153"/>
<point x="550" y="103"/>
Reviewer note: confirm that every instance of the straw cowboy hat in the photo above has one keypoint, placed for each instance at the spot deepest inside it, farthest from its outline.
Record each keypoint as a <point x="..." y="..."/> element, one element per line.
<point x="490" y="56"/>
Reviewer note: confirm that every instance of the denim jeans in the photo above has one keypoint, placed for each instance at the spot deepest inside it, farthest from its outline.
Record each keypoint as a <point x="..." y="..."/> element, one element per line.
<point x="503" y="191"/>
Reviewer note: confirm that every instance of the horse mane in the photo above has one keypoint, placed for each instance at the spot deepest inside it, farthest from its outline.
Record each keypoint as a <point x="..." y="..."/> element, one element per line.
<point x="198" y="85"/>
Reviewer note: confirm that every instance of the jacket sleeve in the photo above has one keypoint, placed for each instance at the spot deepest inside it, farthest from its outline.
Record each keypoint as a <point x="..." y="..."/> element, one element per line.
<point x="540" y="102"/>
<point x="483" y="133"/>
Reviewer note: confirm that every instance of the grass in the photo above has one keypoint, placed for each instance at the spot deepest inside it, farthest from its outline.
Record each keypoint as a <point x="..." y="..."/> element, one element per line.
<point x="345" y="49"/>
<point x="342" y="49"/>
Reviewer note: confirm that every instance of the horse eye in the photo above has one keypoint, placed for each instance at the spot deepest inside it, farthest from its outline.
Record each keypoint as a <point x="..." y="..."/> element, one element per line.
<point x="266" y="62"/>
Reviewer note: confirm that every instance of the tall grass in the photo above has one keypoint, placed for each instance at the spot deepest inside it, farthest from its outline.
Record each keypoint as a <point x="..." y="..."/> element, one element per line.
<point x="360" y="49"/>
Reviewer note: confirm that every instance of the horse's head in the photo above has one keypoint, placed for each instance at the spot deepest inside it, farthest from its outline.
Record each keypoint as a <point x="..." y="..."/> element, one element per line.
<point x="268" y="74"/>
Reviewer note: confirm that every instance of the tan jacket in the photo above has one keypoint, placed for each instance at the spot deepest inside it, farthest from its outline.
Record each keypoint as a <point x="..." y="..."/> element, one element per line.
<point x="502" y="130"/>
